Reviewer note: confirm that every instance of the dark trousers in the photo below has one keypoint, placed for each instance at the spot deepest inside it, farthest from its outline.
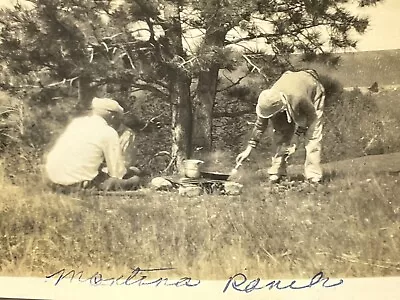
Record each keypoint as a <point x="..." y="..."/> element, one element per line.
<point x="101" y="182"/>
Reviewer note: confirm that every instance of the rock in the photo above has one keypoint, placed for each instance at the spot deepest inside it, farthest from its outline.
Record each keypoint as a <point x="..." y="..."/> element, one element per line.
<point x="190" y="190"/>
<point x="160" y="183"/>
<point x="233" y="188"/>
<point x="374" y="87"/>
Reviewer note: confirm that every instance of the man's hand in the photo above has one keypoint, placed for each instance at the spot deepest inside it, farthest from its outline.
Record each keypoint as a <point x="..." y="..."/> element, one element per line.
<point x="301" y="131"/>
<point x="245" y="154"/>
<point x="291" y="150"/>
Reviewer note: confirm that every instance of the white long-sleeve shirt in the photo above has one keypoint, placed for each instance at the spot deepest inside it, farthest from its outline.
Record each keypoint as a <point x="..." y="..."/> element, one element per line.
<point x="80" y="150"/>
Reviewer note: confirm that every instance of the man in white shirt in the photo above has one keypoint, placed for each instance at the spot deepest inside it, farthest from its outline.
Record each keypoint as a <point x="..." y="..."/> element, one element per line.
<point x="76" y="158"/>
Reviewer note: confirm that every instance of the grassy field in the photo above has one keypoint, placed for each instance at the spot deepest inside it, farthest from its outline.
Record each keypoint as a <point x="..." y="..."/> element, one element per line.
<point x="362" y="68"/>
<point x="354" y="69"/>
<point x="349" y="226"/>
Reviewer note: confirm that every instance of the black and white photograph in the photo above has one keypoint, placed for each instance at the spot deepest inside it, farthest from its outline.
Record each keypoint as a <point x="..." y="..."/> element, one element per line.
<point x="161" y="144"/>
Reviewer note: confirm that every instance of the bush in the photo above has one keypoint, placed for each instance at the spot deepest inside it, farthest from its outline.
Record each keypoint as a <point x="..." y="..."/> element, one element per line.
<point x="43" y="121"/>
<point x="333" y="89"/>
<point x="355" y="126"/>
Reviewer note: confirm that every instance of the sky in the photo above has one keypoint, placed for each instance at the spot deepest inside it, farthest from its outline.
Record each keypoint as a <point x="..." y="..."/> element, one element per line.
<point x="384" y="30"/>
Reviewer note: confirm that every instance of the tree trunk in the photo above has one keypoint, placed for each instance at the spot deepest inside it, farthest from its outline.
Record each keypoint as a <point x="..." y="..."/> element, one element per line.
<point x="179" y="87"/>
<point x="204" y="101"/>
<point x="86" y="92"/>
<point x="206" y="92"/>
<point x="181" y="108"/>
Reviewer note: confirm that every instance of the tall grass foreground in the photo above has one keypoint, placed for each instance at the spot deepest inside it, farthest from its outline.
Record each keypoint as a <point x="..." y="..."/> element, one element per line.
<point x="348" y="227"/>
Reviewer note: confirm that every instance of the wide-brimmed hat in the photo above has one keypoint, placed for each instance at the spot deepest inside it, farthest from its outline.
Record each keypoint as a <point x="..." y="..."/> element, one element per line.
<point x="106" y="104"/>
<point x="269" y="103"/>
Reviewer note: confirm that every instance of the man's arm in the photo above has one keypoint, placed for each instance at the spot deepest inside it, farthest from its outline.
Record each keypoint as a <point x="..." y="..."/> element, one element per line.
<point x="308" y="109"/>
<point x="259" y="127"/>
<point x="128" y="147"/>
<point x="113" y="156"/>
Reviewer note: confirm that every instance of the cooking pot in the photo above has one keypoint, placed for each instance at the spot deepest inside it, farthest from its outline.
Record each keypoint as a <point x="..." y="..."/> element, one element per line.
<point x="192" y="167"/>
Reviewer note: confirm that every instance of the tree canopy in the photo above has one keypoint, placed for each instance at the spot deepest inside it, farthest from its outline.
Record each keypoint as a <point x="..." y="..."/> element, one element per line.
<point x="69" y="38"/>
<point x="172" y="49"/>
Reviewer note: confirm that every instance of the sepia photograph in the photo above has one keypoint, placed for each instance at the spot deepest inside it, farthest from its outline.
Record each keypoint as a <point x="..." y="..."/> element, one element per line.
<point x="164" y="143"/>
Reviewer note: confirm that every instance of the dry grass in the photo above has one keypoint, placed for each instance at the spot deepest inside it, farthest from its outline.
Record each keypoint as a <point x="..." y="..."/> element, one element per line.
<point x="347" y="227"/>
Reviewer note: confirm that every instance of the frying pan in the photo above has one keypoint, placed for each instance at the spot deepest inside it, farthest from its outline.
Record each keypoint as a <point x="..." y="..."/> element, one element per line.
<point x="215" y="175"/>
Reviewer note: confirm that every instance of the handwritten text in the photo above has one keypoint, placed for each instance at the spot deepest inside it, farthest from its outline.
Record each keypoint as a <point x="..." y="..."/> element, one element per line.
<point x="137" y="277"/>
<point x="240" y="283"/>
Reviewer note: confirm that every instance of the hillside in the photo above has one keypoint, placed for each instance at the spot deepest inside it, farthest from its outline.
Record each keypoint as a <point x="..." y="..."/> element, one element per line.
<point x="355" y="69"/>
<point x="362" y="68"/>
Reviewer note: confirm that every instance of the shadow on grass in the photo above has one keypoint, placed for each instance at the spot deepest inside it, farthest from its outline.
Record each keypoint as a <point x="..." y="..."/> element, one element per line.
<point x="328" y="176"/>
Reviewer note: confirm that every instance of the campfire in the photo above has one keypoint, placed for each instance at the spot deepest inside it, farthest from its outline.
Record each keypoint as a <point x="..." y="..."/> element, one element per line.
<point x="195" y="181"/>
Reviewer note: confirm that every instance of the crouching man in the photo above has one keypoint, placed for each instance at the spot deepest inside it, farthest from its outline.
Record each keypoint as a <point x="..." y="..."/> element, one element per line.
<point x="294" y="104"/>
<point x="76" y="159"/>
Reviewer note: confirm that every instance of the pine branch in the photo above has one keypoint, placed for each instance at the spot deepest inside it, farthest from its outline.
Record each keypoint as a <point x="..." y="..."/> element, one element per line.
<point x="232" y="114"/>
<point x="268" y="36"/>
<point x="40" y="85"/>
<point x="255" y="67"/>
<point x="151" y="88"/>
<point x="233" y="83"/>
<point x="184" y="62"/>
<point x="151" y="121"/>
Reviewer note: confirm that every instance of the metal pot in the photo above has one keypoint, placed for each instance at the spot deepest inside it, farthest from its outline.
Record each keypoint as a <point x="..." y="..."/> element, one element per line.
<point x="193" y="168"/>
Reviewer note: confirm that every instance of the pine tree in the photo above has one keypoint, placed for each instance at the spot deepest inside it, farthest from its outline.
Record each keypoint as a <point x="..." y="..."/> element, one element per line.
<point x="141" y="45"/>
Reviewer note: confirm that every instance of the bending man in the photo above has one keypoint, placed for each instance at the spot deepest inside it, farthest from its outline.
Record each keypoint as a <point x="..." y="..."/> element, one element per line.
<point x="76" y="159"/>
<point x="295" y="106"/>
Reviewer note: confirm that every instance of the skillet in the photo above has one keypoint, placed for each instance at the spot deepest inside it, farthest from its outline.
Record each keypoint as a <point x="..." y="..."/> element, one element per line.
<point x="215" y="175"/>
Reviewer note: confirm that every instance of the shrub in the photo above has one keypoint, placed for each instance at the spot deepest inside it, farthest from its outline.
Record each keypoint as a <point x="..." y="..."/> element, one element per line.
<point x="333" y="89"/>
<point x="355" y="126"/>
